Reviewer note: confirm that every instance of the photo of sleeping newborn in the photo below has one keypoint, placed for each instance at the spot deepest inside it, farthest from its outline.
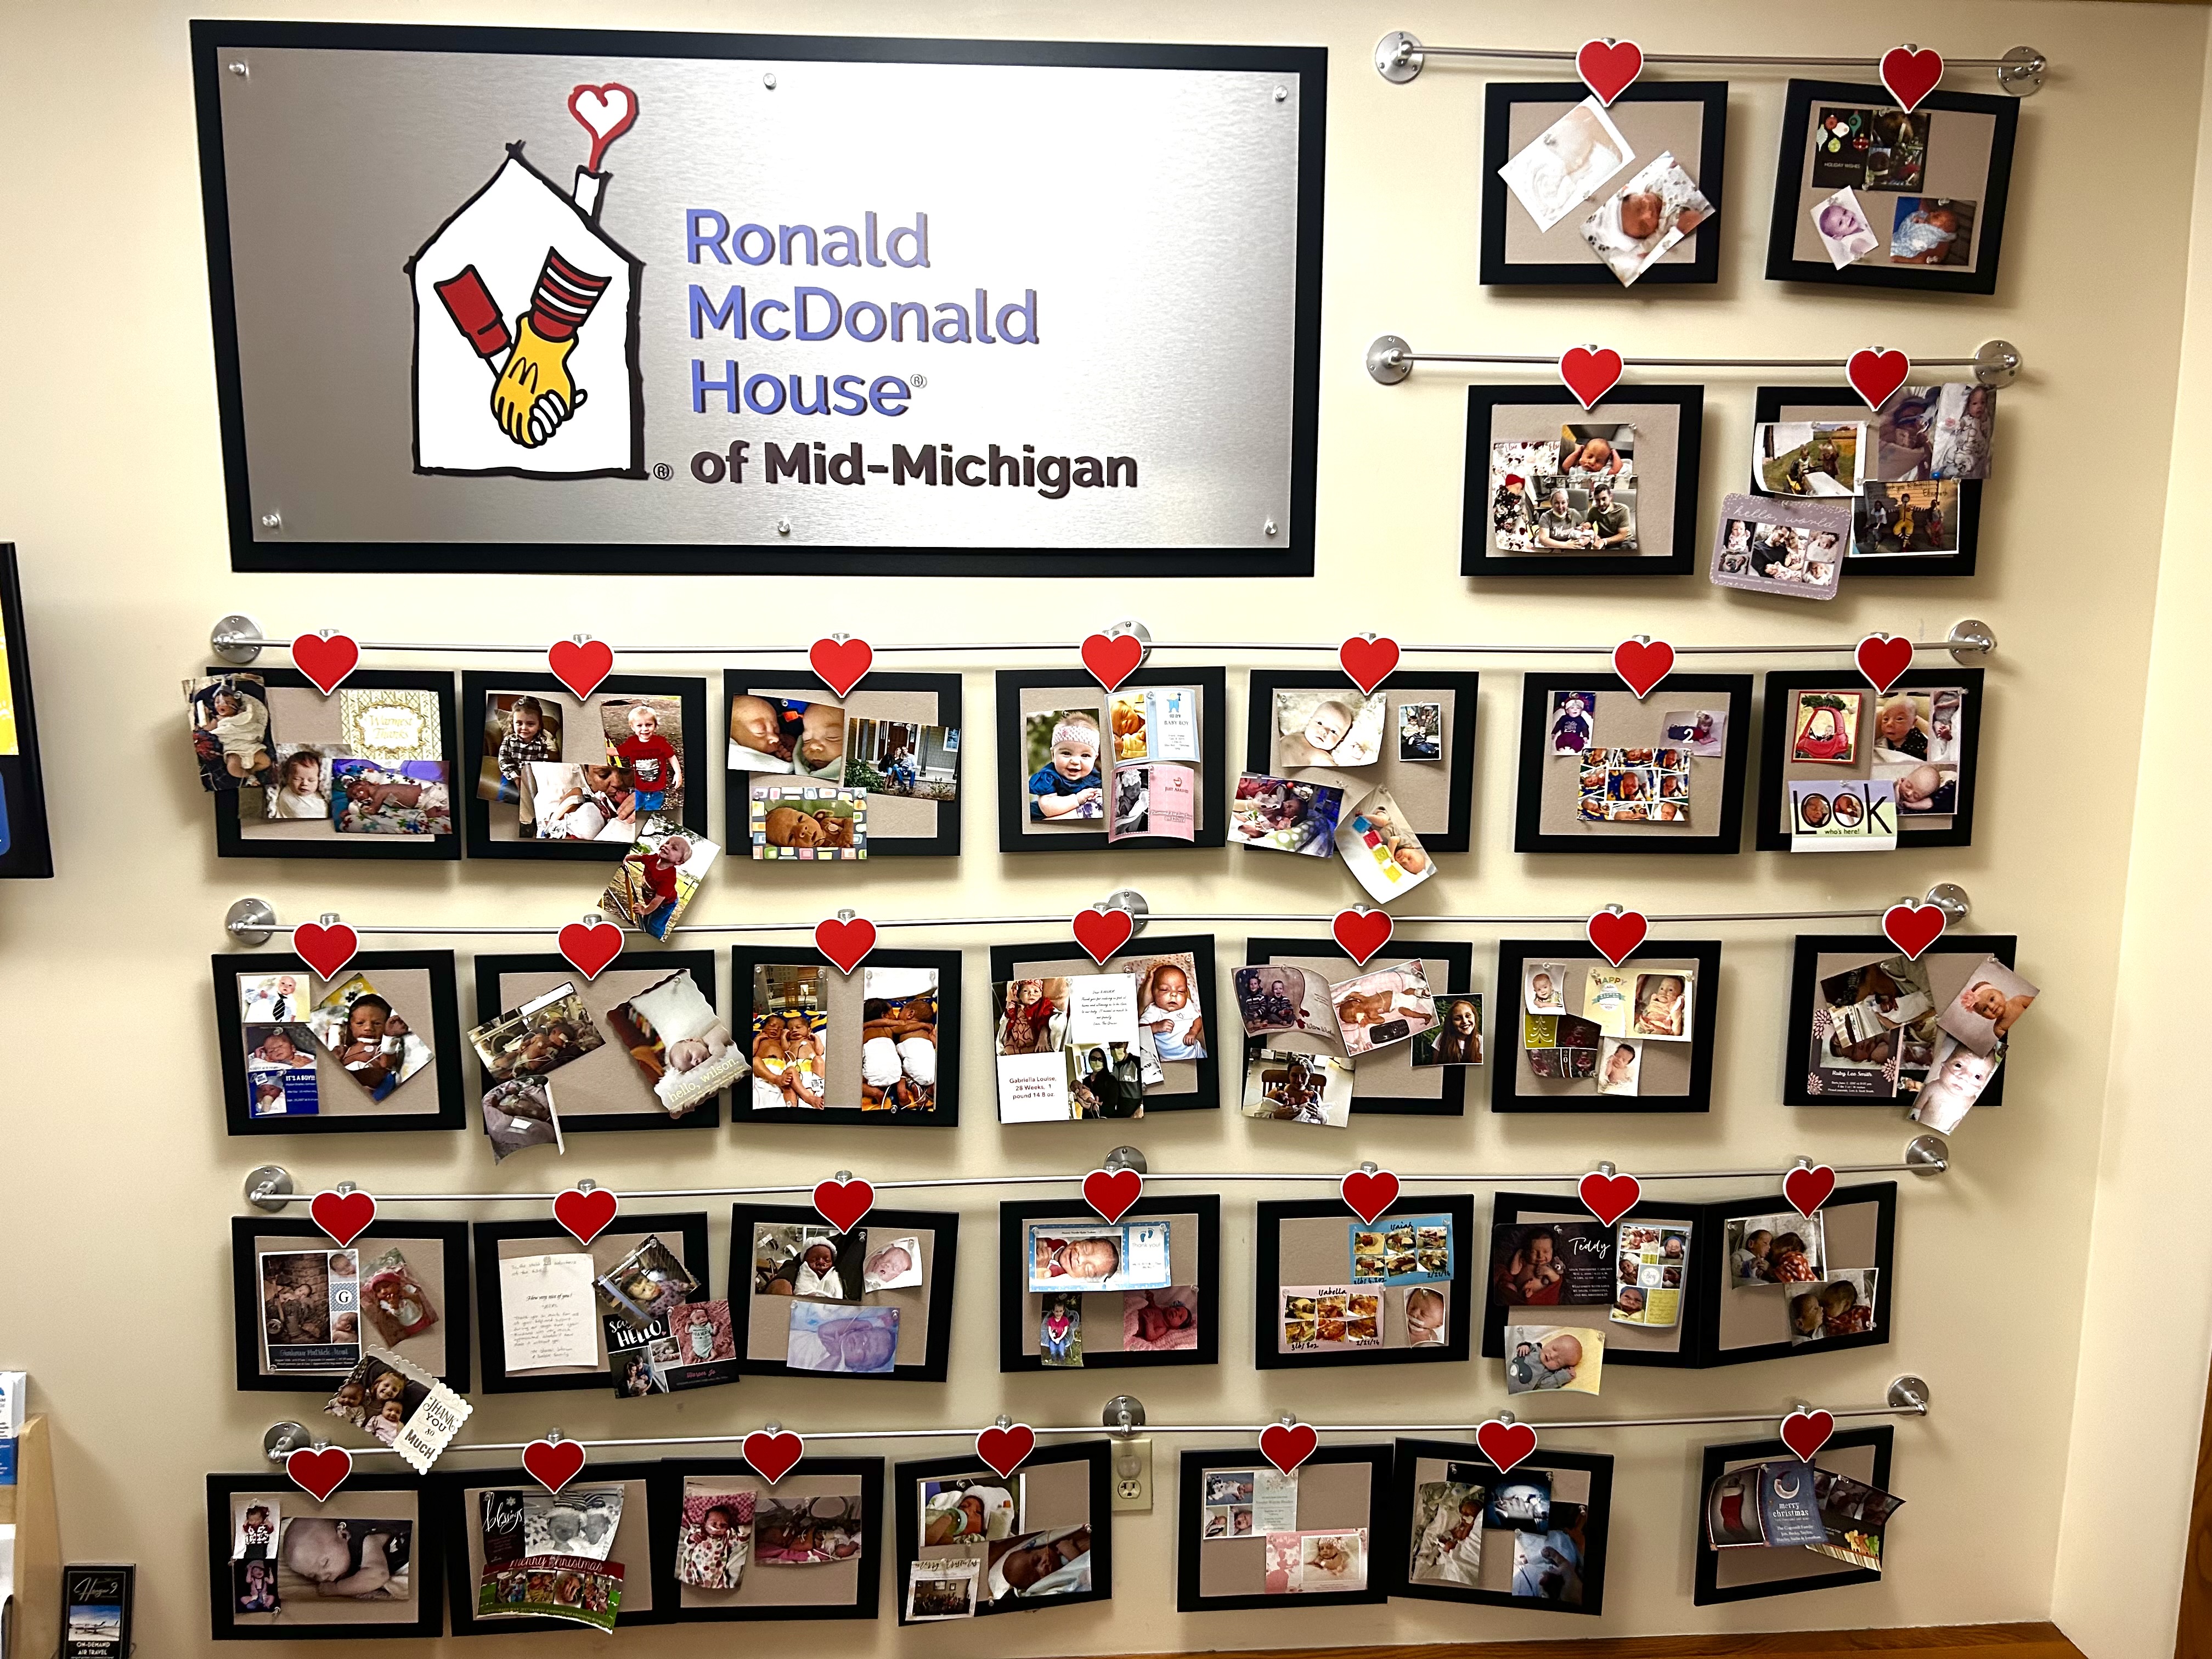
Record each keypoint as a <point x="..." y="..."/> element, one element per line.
<point x="808" y="821"/>
<point x="1383" y="1006"/>
<point x="836" y="1339"/>
<point x="1329" y="728"/>
<point x="1566" y="163"/>
<point x="562" y="801"/>
<point x="1648" y="215"/>
<point x="789" y="735"/>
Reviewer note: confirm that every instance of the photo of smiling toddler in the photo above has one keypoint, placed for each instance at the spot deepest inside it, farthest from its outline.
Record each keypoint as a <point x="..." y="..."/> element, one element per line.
<point x="1063" y="753"/>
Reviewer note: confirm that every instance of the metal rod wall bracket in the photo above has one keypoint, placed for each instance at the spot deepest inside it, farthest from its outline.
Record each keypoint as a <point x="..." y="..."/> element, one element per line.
<point x="1391" y="359"/>
<point x="1400" y="56"/>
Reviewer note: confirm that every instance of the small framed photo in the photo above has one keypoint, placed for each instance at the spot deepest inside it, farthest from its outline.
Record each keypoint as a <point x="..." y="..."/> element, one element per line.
<point x="1923" y="738"/>
<point x="1143" y="767"/>
<point x="368" y="1563"/>
<point x="549" y="777"/>
<point x="512" y="1547"/>
<point x="1549" y="1557"/>
<point x="1250" y="1539"/>
<point x="1864" y="1025"/>
<point x="973" y="1544"/>
<point x="1916" y="513"/>
<point x="1867" y="195"/>
<point x="1553" y="489"/>
<point x="725" y="1534"/>
<point x="303" y="1308"/>
<point x="1779" y="1284"/>
<point x="1632" y="1284"/>
<point x="1636" y="1038"/>
<point x="543" y="1300"/>
<point x="874" y="1300"/>
<point x="1176" y="1322"/>
<point x="1281" y="1012"/>
<point x="1575" y="193"/>
<point x="1074" y="1040"/>
<point x="1603" y="772"/>
<point x="877" y="1048"/>
<point x="26" y="851"/>
<point x="1850" y="1481"/>
<point x="1333" y="1290"/>
<point x="1406" y="751"/>
<point x="896" y="740"/>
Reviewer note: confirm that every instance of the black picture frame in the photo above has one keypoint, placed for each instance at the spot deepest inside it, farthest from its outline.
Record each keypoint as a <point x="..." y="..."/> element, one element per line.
<point x="944" y="1113"/>
<point x="1212" y="767"/>
<point x="666" y="1493"/>
<point x="1882" y="1438"/>
<point x="245" y="1297"/>
<point x="700" y="965"/>
<point x="477" y="685"/>
<point x="1767" y="833"/>
<point x="1475" y="556"/>
<point x="1459" y="747"/>
<point x="26" y="850"/>
<point x="1266" y="1280"/>
<point x="1502" y="1059"/>
<point x="737" y="800"/>
<point x="1006" y="959"/>
<point x="231" y="841"/>
<point x="942" y="1227"/>
<point x="1781" y="263"/>
<point x="1769" y="401"/>
<point x="426" y="1563"/>
<point x="447" y="1043"/>
<point x="1704" y="268"/>
<point x="1712" y="1284"/>
<point x="1508" y="1208"/>
<point x="905" y="1497"/>
<point x="213" y="41"/>
<point x="1383" y="1536"/>
<point x="1804" y="987"/>
<point x="1536" y="688"/>
<point x="484" y="1237"/>
<point x="1596" y="1531"/>
<point x="1018" y="1352"/>
<point x="446" y="1490"/>
<point x="1459" y="953"/>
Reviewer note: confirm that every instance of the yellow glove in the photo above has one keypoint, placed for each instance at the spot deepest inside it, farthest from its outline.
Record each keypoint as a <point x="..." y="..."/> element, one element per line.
<point x="535" y="381"/>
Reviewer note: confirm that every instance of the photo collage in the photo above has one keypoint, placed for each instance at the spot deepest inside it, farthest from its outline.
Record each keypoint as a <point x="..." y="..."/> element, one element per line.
<point x="310" y="1310"/>
<point x="1635" y="1270"/>
<point x="557" y="1308"/>
<point x="834" y="762"/>
<point x="791" y="1039"/>
<point x="597" y="772"/>
<point x="1145" y="739"/>
<point x="1160" y="1318"/>
<point x="1622" y="1010"/>
<point x="1393" y="1292"/>
<point x="1814" y="1299"/>
<point x="1372" y="1012"/>
<point x="1898" y="761"/>
<point x="1579" y="155"/>
<point x="831" y="1279"/>
<point x="1572" y="494"/>
<point x="389" y="776"/>
<point x="1619" y="783"/>
<point x="280" y="1562"/>
<point x="691" y="1345"/>
<point x="1341" y="731"/>
<point x="722" y="1534"/>
<point x="1880" y="1032"/>
<point x="983" y="1551"/>
<point x="520" y="1049"/>
<point x="547" y="1555"/>
<point x="1790" y="1504"/>
<point x="1078" y="1046"/>
<point x="1451" y="1517"/>
<point x="1874" y="165"/>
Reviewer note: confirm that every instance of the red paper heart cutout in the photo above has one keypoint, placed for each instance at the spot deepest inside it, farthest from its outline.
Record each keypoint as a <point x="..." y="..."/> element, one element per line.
<point x="580" y="667"/>
<point x="1368" y="661"/>
<point x="590" y="946"/>
<point x="1807" y="1187"/>
<point x="841" y="663"/>
<point x="842" y="1203"/>
<point x="1006" y="1449"/>
<point x="325" y="948"/>
<point x="1112" y="658"/>
<point x="553" y="1463"/>
<point x="1368" y="1193"/>
<point x="605" y="112"/>
<point x="1287" y="1445"/>
<point x="1643" y="664"/>
<point x="1806" y="1432"/>
<point x="1883" y="658"/>
<point x="1609" y="67"/>
<point x="1102" y="931"/>
<point x="1111" y="1192"/>
<point x="319" y="1473"/>
<point x="843" y="942"/>
<point x="325" y="658"/>
<point x="1609" y="1197"/>
<point x="585" y="1215"/>
<point x="1506" y="1444"/>
<point x="1875" y="374"/>
<point x="1589" y="373"/>
<point x="772" y="1456"/>
<point x="1911" y="74"/>
<point x="343" y="1215"/>
<point x="1913" y="927"/>
<point x="1617" y="934"/>
<point x="1361" y="932"/>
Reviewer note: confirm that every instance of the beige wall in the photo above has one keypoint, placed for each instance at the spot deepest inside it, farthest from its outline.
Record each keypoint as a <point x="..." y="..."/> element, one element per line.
<point x="114" y="1228"/>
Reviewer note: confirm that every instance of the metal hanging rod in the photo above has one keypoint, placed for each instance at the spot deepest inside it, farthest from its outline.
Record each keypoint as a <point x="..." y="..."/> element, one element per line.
<point x="1400" y="56"/>
<point x="1390" y="360"/>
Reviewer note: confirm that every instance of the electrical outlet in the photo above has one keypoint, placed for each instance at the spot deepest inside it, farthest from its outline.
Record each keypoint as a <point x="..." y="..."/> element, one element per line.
<point x="1132" y="1473"/>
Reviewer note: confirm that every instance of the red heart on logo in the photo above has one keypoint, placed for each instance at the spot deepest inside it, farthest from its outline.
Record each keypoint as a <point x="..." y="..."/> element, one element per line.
<point x="1913" y="927"/>
<point x="1806" y="1432"/>
<point x="1875" y="374"/>
<point x="1608" y="68"/>
<point x="343" y="1215"/>
<point x="553" y="1463"/>
<point x="1610" y="1197"/>
<point x="325" y="948"/>
<point x="319" y="1473"/>
<point x="1006" y="1449"/>
<point x="1111" y="1192"/>
<point x="1369" y="661"/>
<point x="580" y="665"/>
<point x="1112" y="658"/>
<point x="843" y="942"/>
<point x="1911" y="74"/>
<point x="772" y="1456"/>
<point x="585" y="1214"/>
<point x="842" y="1203"/>
<point x="1506" y="1444"/>
<point x="1361" y="932"/>
<point x="1102" y="931"/>
<point x="841" y="663"/>
<point x="590" y="946"/>
<point x="1287" y="1445"/>
<point x="1589" y="373"/>
<point x="1882" y="658"/>
<point x="606" y="112"/>
<point x="1617" y="933"/>
<point x="1643" y="664"/>
<point x="325" y="658"/>
<point x="1808" y="1188"/>
<point x="1368" y="1193"/>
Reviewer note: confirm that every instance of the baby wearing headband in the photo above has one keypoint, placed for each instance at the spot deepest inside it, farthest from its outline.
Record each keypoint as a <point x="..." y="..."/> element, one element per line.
<point x="1069" y="785"/>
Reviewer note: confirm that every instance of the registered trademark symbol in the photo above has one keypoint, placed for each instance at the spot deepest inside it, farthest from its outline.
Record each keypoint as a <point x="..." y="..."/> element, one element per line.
<point x="662" y="470"/>
<point x="920" y="380"/>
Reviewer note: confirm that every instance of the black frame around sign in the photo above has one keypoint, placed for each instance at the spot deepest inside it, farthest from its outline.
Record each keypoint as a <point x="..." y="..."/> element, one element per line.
<point x="1882" y="1437"/>
<point x="426" y="1563"/>
<point x="665" y="1491"/>
<point x="1504" y="1056"/>
<point x="1512" y="1209"/>
<point x="1384" y="1539"/>
<point x="245" y="1297"/>
<point x="1805" y="986"/>
<point x="1767" y="835"/>
<point x="484" y="1237"/>
<point x="28" y="852"/>
<point x="1266" y="1283"/>
<point x="1596" y="1531"/>
<point x="1018" y="1352"/>
<point x="1006" y="959"/>
<point x="944" y="1113"/>
<point x="1711" y="1284"/>
<point x="942" y="1225"/>
<point x="1536" y="688"/>
<point x="1768" y="404"/>
<point x="1459" y="745"/>
<point x="1213" y="766"/>
<point x="446" y="1489"/>
<point x="906" y="1488"/>
<point x="1458" y="953"/>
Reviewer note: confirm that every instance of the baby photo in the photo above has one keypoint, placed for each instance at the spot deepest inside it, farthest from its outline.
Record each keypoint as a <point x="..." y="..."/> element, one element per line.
<point x="1843" y="229"/>
<point x="1652" y="1258"/>
<point x="1160" y="1322"/>
<point x="1574" y="714"/>
<point x="713" y="1539"/>
<point x="862" y="1340"/>
<point x="1383" y="1007"/>
<point x="368" y="1036"/>
<point x="1882" y="149"/>
<point x="1845" y="817"/>
<point x="1791" y="548"/>
<point x="1701" y="731"/>
<point x="1032" y="1016"/>
<point x="790" y="1037"/>
<point x="898" y="1039"/>
<point x="229" y="720"/>
<point x="1961" y="431"/>
<point x="1062" y="755"/>
<point x="1522" y="473"/>
<point x="1597" y="452"/>
<point x="1521" y="1501"/>
<point x="1273" y="997"/>
<point x="1662" y="1007"/>
<point x="1551" y="1264"/>
<point x="518" y="731"/>
<point x="1842" y="1305"/>
<point x="379" y="1397"/>
<point x="645" y="737"/>
<point x="806" y="1532"/>
<point x="786" y="734"/>
<point x="683" y="1047"/>
<point x="1420" y="731"/>
<point x="1932" y="230"/>
<point x="545" y="1033"/>
<point x="964" y="1508"/>
<point x="358" y="1559"/>
<point x="1168" y="1004"/>
<point x="657" y="878"/>
<point x="303" y="779"/>
<point x="1282" y="816"/>
<point x="310" y="1309"/>
<point x="1619" y="1065"/>
<point x="1544" y="988"/>
<point x="1286" y="1087"/>
<point x="1380" y="849"/>
<point x="647" y="1284"/>
<point x="1456" y="1039"/>
<point x="1104" y="1079"/>
<point x="1919" y="726"/>
<point x="804" y="1259"/>
<point x="1594" y="515"/>
<point x="1130" y="1255"/>
<point x="1956" y="1077"/>
<point x="1329" y="728"/>
<point x="1788" y="1249"/>
<point x="1647" y="786"/>
<point x="808" y="821"/>
<point x="1807" y="457"/>
<point x="898" y="758"/>
<point x="1565" y="1358"/>
<point x="407" y="797"/>
<point x="565" y="801"/>
<point x="1649" y="215"/>
<point x="280" y="1071"/>
<point x="1547" y="1565"/>
<point x="521" y="1113"/>
<point x="1825" y="726"/>
<point x="1447" y="1533"/>
<point x="1154" y="723"/>
<point x="1564" y="165"/>
<point x="1983" y="1015"/>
